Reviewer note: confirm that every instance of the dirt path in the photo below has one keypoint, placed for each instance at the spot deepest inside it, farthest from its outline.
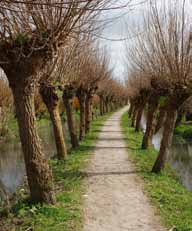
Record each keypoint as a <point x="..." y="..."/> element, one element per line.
<point x="115" y="200"/>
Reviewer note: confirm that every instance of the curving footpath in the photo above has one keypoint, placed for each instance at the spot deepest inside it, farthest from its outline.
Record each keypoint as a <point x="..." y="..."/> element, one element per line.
<point x="115" y="200"/>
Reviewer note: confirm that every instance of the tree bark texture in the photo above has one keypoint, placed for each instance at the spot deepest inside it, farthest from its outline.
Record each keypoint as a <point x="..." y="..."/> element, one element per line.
<point x="106" y="106"/>
<point x="166" y="141"/>
<point x="130" y="112"/>
<point x="172" y="109"/>
<point x="88" y="113"/>
<point x="23" y="79"/>
<point x="39" y="174"/>
<point x="70" y="121"/>
<point x="51" y="101"/>
<point x="81" y="97"/>
<point x="139" y="116"/>
<point x="134" y="116"/>
<point x="101" y="106"/>
<point x="161" y="119"/>
<point x="151" y="122"/>
<point x="58" y="132"/>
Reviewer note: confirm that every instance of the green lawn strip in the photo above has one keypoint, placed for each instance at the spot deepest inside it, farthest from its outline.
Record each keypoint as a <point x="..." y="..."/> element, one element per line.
<point x="172" y="200"/>
<point x="185" y="131"/>
<point x="67" y="214"/>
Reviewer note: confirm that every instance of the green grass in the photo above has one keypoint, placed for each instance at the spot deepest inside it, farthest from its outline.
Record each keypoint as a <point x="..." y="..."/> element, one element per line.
<point x="12" y="125"/>
<point x="184" y="131"/>
<point x="67" y="214"/>
<point x="13" y="129"/>
<point x="172" y="200"/>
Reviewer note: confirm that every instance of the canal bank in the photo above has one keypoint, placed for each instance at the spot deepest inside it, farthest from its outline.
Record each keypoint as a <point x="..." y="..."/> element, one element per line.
<point x="67" y="213"/>
<point x="180" y="153"/>
<point x="12" y="166"/>
<point x="166" y="190"/>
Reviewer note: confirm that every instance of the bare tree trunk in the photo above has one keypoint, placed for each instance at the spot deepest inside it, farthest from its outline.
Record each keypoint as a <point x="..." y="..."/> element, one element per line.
<point x="134" y="116"/>
<point x="101" y="106"/>
<point x="87" y="113"/>
<point x="110" y="104"/>
<point x="131" y="109"/>
<point x="81" y="97"/>
<point x="166" y="141"/>
<point x="58" y="132"/>
<point x="51" y="101"/>
<point x="107" y="106"/>
<point x="113" y="106"/>
<point x="151" y="121"/>
<point x="94" y="112"/>
<point x="139" y="116"/>
<point x="104" y="107"/>
<point x="39" y="174"/>
<point x="161" y="119"/>
<point x="70" y="122"/>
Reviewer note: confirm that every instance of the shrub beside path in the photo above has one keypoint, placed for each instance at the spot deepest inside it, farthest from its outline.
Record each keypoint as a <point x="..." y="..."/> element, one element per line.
<point x="115" y="200"/>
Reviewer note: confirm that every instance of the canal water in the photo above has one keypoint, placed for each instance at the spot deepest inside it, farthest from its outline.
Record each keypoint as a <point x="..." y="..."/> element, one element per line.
<point x="180" y="155"/>
<point x="12" y="167"/>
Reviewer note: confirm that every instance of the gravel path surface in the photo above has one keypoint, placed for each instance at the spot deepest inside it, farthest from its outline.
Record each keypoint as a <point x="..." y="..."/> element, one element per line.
<point x="115" y="200"/>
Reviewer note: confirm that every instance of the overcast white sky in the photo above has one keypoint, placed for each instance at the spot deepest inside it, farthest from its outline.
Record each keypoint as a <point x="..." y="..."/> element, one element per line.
<point x="122" y="20"/>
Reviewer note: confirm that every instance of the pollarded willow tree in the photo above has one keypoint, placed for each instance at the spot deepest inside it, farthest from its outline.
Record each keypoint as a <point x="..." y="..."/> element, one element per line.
<point x="92" y="73"/>
<point x="81" y="78"/>
<point x="68" y="80"/>
<point x="30" y="35"/>
<point x="62" y="79"/>
<point x="112" y="94"/>
<point x="49" y="93"/>
<point x="58" y="76"/>
<point x="164" y="54"/>
<point x="139" y="88"/>
<point x="174" y="41"/>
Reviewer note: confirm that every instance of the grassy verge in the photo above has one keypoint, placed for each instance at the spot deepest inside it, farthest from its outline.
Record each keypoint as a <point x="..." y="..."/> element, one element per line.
<point x="184" y="131"/>
<point x="13" y="129"/>
<point x="67" y="214"/>
<point x="172" y="200"/>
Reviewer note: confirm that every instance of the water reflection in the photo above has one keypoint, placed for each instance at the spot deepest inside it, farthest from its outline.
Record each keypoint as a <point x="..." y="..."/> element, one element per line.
<point x="157" y="139"/>
<point x="180" y="155"/>
<point x="12" y="168"/>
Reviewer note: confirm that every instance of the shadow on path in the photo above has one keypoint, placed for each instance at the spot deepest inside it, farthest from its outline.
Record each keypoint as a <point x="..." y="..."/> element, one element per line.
<point x="118" y="173"/>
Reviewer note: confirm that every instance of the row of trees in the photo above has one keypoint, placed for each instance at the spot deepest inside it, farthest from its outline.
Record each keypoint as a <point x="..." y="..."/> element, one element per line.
<point x="6" y="102"/>
<point x="160" y="73"/>
<point x="45" y="46"/>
